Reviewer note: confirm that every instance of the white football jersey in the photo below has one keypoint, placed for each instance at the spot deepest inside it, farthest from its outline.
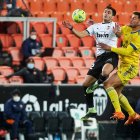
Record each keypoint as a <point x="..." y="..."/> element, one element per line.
<point x="103" y="33"/>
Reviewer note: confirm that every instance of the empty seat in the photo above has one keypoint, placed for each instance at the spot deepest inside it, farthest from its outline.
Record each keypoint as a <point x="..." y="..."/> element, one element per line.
<point x="58" y="15"/>
<point x="129" y="7"/>
<point x="101" y="5"/>
<point x="46" y="40"/>
<point x="64" y="30"/>
<point x="49" y="6"/>
<point x="59" y="74"/>
<point x="5" y="70"/>
<point x="88" y="41"/>
<point x="62" y="6"/>
<point x="74" y="41"/>
<point x="18" y="39"/>
<point x="61" y="40"/>
<point x="75" y="4"/>
<point x="16" y="80"/>
<point x="4" y="13"/>
<point x="50" y="63"/>
<point x="12" y="28"/>
<point x="35" y="6"/>
<point x="16" y="55"/>
<point x="6" y="41"/>
<point x="3" y="80"/>
<point x="98" y="17"/>
<point x="39" y="27"/>
<point x="83" y="71"/>
<point x="49" y="26"/>
<point x="90" y="7"/>
<point x="88" y="61"/>
<point x="135" y="81"/>
<point x="65" y="62"/>
<point x="118" y="5"/>
<point x="69" y="51"/>
<point x="51" y="122"/>
<point x="58" y="52"/>
<point x="77" y="62"/>
<point x="86" y="51"/>
<point x="138" y="6"/>
<point x="80" y="79"/>
<point x="72" y="73"/>
<point x="68" y="16"/>
<point x="79" y="26"/>
<point x="124" y="18"/>
<point x="39" y="63"/>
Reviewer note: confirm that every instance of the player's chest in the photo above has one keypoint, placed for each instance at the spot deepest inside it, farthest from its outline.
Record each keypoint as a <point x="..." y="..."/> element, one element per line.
<point x="103" y="31"/>
<point x="128" y="37"/>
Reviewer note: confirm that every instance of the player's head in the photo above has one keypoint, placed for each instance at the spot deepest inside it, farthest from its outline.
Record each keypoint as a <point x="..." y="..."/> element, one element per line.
<point x="109" y="13"/>
<point x="135" y="19"/>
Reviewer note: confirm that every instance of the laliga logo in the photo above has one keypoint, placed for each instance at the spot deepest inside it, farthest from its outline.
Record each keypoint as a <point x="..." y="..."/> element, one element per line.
<point x="100" y="100"/>
<point x="31" y="101"/>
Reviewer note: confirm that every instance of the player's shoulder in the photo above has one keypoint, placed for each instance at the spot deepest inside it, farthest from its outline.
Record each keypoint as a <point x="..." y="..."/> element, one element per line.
<point x="126" y="27"/>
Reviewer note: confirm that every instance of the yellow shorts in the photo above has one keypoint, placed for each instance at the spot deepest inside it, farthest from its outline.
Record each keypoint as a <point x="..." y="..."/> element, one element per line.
<point x="127" y="72"/>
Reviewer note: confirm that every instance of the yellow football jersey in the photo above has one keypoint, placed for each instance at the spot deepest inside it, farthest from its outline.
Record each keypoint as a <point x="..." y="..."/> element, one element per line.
<point x="133" y="39"/>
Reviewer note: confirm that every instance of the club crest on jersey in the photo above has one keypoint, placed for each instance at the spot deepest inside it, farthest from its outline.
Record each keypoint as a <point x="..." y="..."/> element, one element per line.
<point x="108" y="27"/>
<point x="102" y="35"/>
<point x="100" y="100"/>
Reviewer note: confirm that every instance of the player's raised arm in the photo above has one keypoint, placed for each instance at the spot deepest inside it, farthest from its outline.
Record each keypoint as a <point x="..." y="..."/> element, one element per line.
<point x="117" y="30"/>
<point x="77" y="33"/>
<point x="121" y="51"/>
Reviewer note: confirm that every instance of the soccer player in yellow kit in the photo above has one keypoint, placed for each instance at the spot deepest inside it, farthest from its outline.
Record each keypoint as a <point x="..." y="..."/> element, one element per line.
<point x="127" y="69"/>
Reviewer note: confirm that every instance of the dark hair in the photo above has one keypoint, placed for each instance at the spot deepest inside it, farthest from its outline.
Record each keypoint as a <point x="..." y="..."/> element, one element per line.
<point x="30" y="60"/>
<point x="15" y="92"/>
<point x="137" y="13"/>
<point x="33" y="30"/>
<point x="111" y="8"/>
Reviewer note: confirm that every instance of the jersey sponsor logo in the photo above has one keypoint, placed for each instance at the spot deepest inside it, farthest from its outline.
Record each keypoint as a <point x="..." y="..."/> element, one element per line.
<point x="102" y="35"/>
<point x="100" y="100"/>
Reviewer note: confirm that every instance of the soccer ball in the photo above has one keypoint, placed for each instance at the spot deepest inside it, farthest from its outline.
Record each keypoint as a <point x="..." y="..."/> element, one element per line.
<point x="79" y="15"/>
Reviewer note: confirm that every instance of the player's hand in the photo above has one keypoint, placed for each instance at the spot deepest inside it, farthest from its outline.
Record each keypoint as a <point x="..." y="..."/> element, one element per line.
<point x="117" y="29"/>
<point x="105" y="47"/>
<point x="67" y="24"/>
<point x="90" y="22"/>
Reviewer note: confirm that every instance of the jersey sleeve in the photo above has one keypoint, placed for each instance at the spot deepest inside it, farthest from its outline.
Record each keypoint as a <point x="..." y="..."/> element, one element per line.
<point x="135" y="43"/>
<point x="133" y="46"/>
<point x="90" y="30"/>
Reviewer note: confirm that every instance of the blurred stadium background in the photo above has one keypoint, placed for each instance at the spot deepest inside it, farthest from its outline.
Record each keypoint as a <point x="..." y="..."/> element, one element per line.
<point x="65" y="55"/>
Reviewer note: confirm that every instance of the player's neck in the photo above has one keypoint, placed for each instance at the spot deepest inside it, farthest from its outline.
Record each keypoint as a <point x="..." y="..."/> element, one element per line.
<point x="136" y="28"/>
<point x="107" y="21"/>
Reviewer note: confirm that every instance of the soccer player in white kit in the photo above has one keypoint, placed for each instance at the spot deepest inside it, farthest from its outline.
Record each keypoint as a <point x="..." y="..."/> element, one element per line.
<point x="106" y="62"/>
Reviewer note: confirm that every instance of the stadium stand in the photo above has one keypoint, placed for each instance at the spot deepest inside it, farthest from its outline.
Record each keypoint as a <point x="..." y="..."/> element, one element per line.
<point x="61" y="40"/>
<point x="70" y="51"/>
<point x="5" y="70"/>
<point x="59" y="74"/>
<point x="72" y="73"/>
<point x="57" y="52"/>
<point x="67" y="45"/>
<point x="16" y="80"/>
<point x="50" y="62"/>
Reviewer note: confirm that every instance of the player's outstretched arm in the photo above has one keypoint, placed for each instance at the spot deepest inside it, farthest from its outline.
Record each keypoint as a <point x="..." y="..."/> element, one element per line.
<point x="77" y="33"/>
<point x="121" y="51"/>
